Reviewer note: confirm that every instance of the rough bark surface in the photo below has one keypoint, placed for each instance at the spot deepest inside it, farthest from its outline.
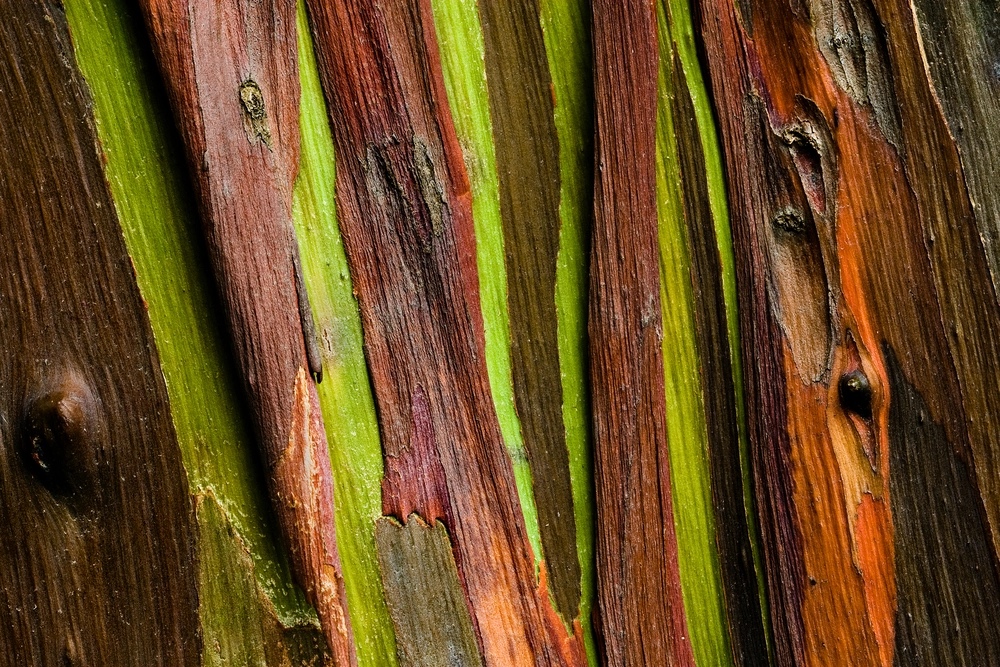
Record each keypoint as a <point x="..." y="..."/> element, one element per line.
<point x="97" y="520"/>
<point x="232" y="76"/>
<point x="425" y="597"/>
<point x="860" y="255"/>
<point x="739" y="575"/>
<point x="527" y="150"/>
<point x="405" y="213"/>
<point x="641" y="611"/>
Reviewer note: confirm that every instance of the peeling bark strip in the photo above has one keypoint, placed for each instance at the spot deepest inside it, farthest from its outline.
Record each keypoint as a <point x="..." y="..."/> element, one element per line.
<point x="639" y="595"/>
<point x="232" y="76"/>
<point x="425" y="596"/>
<point x="96" y="517"/>
<point x="831" y="113"/>
<point x="405" y="214"/>
<point x="739" y="576"/>
<point x="527" y="148"/>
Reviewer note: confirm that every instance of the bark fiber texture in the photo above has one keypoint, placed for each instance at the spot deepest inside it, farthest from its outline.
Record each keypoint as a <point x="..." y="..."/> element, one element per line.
<point x="640" y="606"/>
<point x="97" y="520"/>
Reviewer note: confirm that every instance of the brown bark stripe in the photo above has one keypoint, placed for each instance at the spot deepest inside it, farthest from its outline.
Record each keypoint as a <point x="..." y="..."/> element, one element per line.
<point x="97" y="520"/>
<point x="404" y="208"/>
<point x="527" y="153"/>
<point x="949" y="591"/>
<point x="914" y="328"/>
<point x="640" y="606"/>
<point x="231" y="71"/>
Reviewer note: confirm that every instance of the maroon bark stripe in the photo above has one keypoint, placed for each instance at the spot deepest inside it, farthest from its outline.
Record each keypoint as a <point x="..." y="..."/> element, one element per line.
<point x="405" y="213"/>
<point x="639" y="594"/>
<point x="231" y="71"/>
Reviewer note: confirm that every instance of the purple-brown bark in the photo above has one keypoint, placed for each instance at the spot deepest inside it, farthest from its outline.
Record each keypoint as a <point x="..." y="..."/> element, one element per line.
<point x="641" y="611"/>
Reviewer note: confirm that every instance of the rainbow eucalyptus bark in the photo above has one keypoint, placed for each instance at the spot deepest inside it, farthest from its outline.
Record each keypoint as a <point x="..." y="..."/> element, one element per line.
<point x="640" y="605"/>
<point x="405" y="214"/>
<point x="868" y="306"/>
<point x="93" y="496"/>
<point x="240" y="64"/>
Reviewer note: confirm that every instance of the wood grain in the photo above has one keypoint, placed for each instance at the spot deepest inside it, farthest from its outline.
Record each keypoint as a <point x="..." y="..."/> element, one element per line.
<point x="404" y="211"/>
<point x="640" y="607"/>
<point x="94" y="502"/>
<point x="232" y="77"/>
<point x="425" y="597"/>
<point x="743" y="605"/>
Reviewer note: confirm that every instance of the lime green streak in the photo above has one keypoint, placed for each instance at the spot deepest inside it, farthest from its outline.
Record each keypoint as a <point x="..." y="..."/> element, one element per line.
<point x="565" y="25"/>
<point x="461" y="45"/>
<point x="153" y="199"/>
<point x="345" y="393"/>
<point x="682" y="32"/>
<point x="694" y="516"/>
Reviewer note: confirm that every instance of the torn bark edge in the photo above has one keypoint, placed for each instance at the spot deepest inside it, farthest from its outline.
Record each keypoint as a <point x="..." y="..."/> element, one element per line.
<point x="303" y="480"/>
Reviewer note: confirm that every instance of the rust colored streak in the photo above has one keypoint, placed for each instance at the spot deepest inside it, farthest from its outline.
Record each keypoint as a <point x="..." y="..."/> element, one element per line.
<point x="835" y="594"/>
<point x="639" y="595"/>
<point x="232" y="76"/>
<point x="902" y="262"/>
<point x="781" y="138"/>
<point x="305" y="482"/>
<point x="405" y="213"/>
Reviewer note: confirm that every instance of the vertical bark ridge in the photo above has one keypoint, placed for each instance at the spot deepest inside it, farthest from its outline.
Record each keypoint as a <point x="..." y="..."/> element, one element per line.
<point x="952" y="206"/>
<point x="945" y="614"/>
<point x="846" y="115"/>
<point x="527" y="152"/>
<point x="94" y="501"/>
<point x="729" y="69"/>
<point x="406" y="219"/>
<point x="743" y="604"/>
<point x="639" y="596"/>
<point x="233" y="82"/>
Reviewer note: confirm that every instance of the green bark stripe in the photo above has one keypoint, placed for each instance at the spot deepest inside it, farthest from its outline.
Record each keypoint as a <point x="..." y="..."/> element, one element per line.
<point x="527" y="151"/>
<point x="146" y="172"/>
<point x="682" y="35"/>
<point x="566" y="28"/>
<point x="694" y="515"/>
<point x="460" y="40"/>
<point x="345" y="393"/>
